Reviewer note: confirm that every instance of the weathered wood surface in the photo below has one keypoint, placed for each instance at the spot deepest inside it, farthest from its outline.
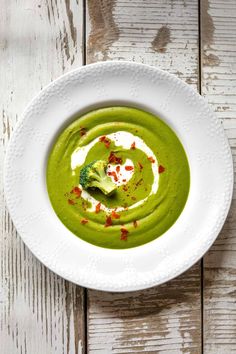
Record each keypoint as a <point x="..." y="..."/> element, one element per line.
<point x="165" y="319"/>
<point x="39" y="312"/>
<point x="219" y="86"/>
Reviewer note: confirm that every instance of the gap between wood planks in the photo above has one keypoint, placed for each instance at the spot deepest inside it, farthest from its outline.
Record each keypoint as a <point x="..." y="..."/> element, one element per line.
<point x="200" y="92"/>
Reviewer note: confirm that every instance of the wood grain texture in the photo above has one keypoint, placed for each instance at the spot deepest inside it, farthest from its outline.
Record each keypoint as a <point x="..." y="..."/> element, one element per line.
<point x="166" y="319"/>
<point x="218" y="85"/>
<point x="39" y="311"/>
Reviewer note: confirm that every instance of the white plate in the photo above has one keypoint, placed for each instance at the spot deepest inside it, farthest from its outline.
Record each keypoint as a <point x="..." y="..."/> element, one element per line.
<point x="209" y="155"/>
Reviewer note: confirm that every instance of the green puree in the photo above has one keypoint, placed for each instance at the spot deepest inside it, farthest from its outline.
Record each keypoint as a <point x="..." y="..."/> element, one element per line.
<point x="156" y="215"/>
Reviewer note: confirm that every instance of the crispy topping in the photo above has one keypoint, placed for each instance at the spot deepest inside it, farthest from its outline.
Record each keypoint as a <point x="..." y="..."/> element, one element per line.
<point x="161" y="169"/>
<point x="124" y="234"/>
<point x="113" y="174"/>
<point x="115" y="215"/>
<point x="114" y="159"/>
<point x="98" y="208"/>
<point x="82" y="131"/>
<point x="129" y="168"/>
<point x="133" y="146"/>
<point x="83" y="221"/>
<point x="71" y="202"/>
<point x="108" y="221"/>
<point x="151" y="159"/>
<point x="77" y="191"/>
<point x="105" y="140"/>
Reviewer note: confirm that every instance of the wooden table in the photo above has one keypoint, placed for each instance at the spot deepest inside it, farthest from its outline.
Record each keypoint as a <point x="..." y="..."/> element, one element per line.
<point x="40" y="312"/>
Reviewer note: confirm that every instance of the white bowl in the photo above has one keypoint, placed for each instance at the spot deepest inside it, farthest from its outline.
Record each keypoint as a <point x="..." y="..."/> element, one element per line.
<point x="137" y="85"/>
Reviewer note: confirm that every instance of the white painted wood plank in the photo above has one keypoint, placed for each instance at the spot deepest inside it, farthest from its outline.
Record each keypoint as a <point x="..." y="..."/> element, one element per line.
<point x="218" y="85"/>
<point x="39" y="311"/>
<point x="166" y="319"/>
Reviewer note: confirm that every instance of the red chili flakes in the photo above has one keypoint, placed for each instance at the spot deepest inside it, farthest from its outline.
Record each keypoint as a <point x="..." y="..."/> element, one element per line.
<point x="114" y="159"/>
<point x="161" y="169"/>
<point x="102" y="138"/>
<point x="108" y="143"/>
<point x="124" y="234"/>
<point x="105" y="140"/>
<point x="115" y="215"/>
<point x="83" y="221"/>
<point x="108" y="221"/>
<point x="117" y="169"/>
<point x="113" y="174"/>
<point x="140" y="166"/>
<point x="151" y="159"/>
<point x="133" y="146"/>
<point x="129" y="168"/>
<point x="82" y="131"/>
<point x="123" y="180"/>
<point x="135" y="223"/>
<point x="98" y="208"/>
<point x="77" y="191"/>
<point x="71" y="202"/>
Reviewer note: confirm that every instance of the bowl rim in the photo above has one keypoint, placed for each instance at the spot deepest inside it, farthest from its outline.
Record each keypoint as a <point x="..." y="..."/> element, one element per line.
<point x="174" y="79"/>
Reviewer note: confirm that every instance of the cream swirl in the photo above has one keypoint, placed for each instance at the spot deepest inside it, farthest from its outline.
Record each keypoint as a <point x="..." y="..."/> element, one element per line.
<point x="120" y="139"/>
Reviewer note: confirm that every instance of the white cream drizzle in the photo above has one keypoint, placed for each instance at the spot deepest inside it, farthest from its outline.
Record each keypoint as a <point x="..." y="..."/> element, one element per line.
<point x="123" y="175"/>
<point x="122" y="139"/>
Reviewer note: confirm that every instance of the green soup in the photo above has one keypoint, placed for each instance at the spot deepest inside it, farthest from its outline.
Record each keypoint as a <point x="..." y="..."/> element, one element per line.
<point x="150" y="169"/>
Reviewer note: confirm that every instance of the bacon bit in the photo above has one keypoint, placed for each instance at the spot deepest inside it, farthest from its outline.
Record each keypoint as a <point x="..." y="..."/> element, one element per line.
<point x="140" y="166"/>
<point x="115" y="215"/>
<point x="107" y="143"/>
<point x="77" y="191"/>
<point x="71" y="202"/>
<point x="124" y="234"/>
<point x="113" y="174"/>
<point x="114" y="159"/>
<point x="151" y="159"/>
<point x="98" y="208"/>
<point x="117" y="169"/>
<point x="82" y="131"/>
<point x="105" y="140"/>
<point x="108" y="221"/>
<point x="102" y="138"/>
<point x="83" y="221"/>
<point x="129" y="168"/>
<point x="123" y="180"/>
<point x="135" y="223"/>
<point x="133" y="146"/>
<point x="161" y="169"/>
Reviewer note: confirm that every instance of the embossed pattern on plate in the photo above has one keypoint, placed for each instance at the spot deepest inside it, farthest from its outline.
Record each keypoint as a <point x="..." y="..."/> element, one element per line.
<point x="209" y="155"/>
